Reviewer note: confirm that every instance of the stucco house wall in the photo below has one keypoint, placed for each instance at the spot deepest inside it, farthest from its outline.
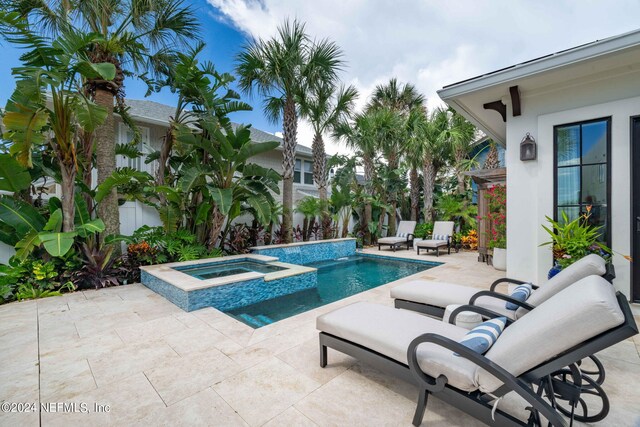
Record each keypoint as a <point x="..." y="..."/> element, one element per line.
<point x="530" y="185"/>
<point x="597" y="80"/>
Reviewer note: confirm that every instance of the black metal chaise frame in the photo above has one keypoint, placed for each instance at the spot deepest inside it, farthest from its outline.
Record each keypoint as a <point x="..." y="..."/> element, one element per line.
<point x="477" y="404"/>
<point x="394" y="246"/>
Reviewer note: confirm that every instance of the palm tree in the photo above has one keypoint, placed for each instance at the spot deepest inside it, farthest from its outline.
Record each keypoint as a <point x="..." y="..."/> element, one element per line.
<point x="281" y="69"/>
<point x="52" y="69"/>
<point x="363" y="134"/>
<point x="414" y="157"/>
<point x="434" y="136"/>
<point x="325" y="106"/>
<point x="138" y="37"/>
<point x="401" y="99"/>
<point x="462" y="140"/>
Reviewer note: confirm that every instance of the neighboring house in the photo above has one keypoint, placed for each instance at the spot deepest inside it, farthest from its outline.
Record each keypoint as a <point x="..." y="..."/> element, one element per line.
<point x="152" y="118"/>
<point x="582" y="106"/>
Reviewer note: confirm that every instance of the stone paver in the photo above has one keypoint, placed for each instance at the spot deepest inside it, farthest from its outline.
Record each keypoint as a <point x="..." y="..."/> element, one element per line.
<point x="154" y="364"/>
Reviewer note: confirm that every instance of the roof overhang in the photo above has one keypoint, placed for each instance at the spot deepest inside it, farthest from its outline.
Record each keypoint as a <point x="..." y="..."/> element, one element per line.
<point x="481" y="99"/>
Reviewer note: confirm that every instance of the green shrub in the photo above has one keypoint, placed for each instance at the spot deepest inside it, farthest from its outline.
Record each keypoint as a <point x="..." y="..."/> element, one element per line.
<point x="423" y="230"/>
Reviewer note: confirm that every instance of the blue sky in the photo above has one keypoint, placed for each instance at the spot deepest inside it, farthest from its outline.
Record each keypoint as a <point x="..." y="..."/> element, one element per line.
<point x="223" y="41"/>
<point x="430" y="43"/>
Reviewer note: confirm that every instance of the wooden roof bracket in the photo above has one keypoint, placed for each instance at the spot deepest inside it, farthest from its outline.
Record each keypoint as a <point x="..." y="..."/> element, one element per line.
<point x="497" y="106"/>
<point x="515" y="101"/>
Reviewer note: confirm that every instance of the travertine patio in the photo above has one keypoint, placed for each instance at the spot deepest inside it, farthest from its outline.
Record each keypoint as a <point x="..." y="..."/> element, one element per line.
<point x="154" y="364"/>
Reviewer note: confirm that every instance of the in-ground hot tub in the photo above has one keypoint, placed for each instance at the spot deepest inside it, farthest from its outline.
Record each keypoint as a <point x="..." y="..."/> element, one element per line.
<point x="226" y="283"/>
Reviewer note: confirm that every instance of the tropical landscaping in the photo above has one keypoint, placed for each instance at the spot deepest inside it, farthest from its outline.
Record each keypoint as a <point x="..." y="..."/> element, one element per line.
<point x="211" y="197"/>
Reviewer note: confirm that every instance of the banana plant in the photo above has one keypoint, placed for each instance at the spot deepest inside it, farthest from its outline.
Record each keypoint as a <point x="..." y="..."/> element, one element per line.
<point x="25" y="228"/>
<point x="47" y="106"/>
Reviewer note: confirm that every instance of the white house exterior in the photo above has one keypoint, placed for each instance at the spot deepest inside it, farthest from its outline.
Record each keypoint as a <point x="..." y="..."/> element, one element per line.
<point x="152" y="118"/>
<point x="582" y="106"/>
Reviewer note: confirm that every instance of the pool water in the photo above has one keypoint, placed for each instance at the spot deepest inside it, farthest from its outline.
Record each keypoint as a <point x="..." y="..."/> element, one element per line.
<point x="337" y="279"/>
<point x="222" y="269"/>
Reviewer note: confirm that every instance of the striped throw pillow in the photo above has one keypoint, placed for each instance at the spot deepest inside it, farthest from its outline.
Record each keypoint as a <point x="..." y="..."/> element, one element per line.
<point x="481" y="338"/>
<point x="444" y="237"/>
<point x="520" y="293"/>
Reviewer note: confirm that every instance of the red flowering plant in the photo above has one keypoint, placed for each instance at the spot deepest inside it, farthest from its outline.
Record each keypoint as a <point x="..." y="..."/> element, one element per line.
<point x="497" y="216"/>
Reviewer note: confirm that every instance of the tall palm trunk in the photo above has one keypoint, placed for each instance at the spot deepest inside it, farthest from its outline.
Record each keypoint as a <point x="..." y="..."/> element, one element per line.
<point x="415" y="193"/>
<point x="68" y="173"/>
<point x="106" y="163"/>
<point x="320" y="177"/>
<point x="290" y="125"/>
<point x="86" y="147"/>
<point x="368" y="211"/>
<point x="393" y="198"/>
<point x="429" y="178"/>
<point x="462" y="183"/>
<point x="217" y="221"/>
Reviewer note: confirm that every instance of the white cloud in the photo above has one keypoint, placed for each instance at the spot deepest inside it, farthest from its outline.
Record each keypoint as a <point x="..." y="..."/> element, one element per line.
<point x="437" y="42"/>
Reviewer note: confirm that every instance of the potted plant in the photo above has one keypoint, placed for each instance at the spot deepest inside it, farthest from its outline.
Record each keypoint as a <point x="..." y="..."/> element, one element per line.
<point x="572" y="240"/>
<point x="456" y="241"/>
<point x="422" y="231"/>
<point x="497" y="225"/>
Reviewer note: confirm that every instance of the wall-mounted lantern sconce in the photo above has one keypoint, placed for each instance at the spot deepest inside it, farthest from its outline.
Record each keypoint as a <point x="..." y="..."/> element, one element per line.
<point x="528" y="148"/>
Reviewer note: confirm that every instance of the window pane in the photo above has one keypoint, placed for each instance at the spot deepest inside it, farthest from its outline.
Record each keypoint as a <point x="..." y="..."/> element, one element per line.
<point x="572" y="212"/>
<point x="594" y="142"/>
<point x="308" y="166"/>
<point x="297" y="166"/>
<point x="568" y="186"/>
<point x="568" y="145"/>
<point x="594" y="184"/>
<point x="308" y="178"/>
<point x="598" y="215"/>
<point x="296" y="176"/>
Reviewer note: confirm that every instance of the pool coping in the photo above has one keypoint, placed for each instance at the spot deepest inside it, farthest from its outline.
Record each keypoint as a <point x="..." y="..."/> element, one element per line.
<point x="168" y="273"/>
<point x="310" y="242"/>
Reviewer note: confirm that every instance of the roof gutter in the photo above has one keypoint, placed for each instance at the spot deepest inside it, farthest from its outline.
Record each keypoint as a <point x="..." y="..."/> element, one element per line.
<point x="544" y="64"/>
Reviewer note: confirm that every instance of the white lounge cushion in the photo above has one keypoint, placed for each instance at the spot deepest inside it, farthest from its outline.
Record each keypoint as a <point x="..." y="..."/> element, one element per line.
<point x="405" y="228"/>
<point x="442" y="294"/>
<point x="389" y="331"/>
<point x="392" y="240"/>
<point x="587" y="266"/>
<point x="444" y="228"/>
<point x="431" y="243"/>
<point x="572" y="316"/>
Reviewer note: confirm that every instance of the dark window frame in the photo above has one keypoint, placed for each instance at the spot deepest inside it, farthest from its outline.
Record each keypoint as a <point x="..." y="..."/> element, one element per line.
<point x="581" y="123"/>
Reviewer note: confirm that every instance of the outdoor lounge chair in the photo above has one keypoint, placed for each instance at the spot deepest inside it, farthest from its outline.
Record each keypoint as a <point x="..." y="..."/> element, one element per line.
<point x="529" y="358"/>
<point x="440" y="238"/>
<point x="404" y="236"/>
<point x="432" y="298"/>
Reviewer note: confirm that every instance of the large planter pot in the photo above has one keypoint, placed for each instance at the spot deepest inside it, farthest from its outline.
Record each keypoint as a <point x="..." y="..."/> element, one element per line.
<point x="415" y="242"/>
<point x="499" y="259"/>
<point x="554" y="270"/>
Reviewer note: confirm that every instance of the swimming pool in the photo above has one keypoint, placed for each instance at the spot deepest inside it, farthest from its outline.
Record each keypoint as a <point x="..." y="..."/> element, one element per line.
<point x="336" y="279"/>
<point x="223" y="269"/>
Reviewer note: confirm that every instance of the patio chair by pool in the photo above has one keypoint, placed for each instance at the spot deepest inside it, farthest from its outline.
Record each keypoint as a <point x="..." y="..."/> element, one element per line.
<point x="529" y="358"/>
<point x="432" y="298"/>
<point x="404" y="236"/>
<point x="440" y="238"/>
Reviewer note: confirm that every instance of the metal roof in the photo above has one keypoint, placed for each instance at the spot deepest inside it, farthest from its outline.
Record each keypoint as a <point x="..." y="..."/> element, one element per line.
<point x="158" y="113"/>
<point x="543" y="63"/>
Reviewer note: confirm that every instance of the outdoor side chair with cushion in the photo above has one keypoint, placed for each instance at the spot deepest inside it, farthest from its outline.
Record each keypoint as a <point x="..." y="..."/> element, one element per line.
<point x="440" y="238"/>
<point x="404" y="236"/>
<point x="528" y="358"/>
